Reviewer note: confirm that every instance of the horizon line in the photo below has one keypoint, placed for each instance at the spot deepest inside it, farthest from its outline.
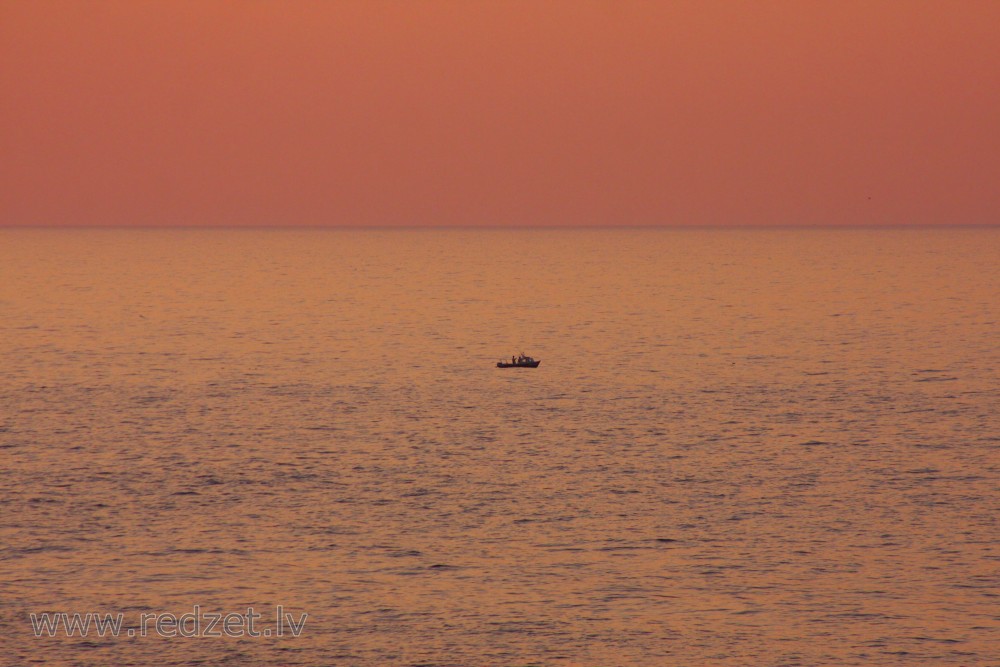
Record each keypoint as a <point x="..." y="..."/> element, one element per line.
<point x="667" y="227"/>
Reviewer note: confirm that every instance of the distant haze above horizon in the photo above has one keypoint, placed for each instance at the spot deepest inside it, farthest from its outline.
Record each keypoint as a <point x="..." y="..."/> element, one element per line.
<point x="380" y="113"/>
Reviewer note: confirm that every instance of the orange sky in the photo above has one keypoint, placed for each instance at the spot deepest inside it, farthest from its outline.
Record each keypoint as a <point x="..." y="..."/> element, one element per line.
<point x="434" y="112"/>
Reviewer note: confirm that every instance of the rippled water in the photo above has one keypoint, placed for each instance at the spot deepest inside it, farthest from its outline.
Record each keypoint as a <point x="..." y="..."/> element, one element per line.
<point x="766" y="447"/>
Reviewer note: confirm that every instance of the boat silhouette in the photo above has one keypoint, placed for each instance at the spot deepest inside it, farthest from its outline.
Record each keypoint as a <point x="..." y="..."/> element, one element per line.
<point x="520" y="361"/>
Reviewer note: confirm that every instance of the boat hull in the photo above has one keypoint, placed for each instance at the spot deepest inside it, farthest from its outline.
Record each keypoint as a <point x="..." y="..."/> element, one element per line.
<point x="527" y="364"/>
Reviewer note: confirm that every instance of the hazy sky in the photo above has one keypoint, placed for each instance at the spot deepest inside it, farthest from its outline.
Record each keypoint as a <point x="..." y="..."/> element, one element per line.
<point x="408" y="112"/>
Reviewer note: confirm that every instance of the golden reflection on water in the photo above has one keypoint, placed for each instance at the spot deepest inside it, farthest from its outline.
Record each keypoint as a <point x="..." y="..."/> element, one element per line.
<point x="741" y="447"/>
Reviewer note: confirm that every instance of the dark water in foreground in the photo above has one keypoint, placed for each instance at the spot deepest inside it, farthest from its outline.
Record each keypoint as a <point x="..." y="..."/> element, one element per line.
<point x="764" y="447"/>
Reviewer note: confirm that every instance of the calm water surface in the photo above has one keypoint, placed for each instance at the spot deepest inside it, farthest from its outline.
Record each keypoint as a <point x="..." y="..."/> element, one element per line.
<point x="741" y="448"/>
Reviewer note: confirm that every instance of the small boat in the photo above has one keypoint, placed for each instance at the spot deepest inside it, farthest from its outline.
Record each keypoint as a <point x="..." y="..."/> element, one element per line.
<point x="520" y="361"/>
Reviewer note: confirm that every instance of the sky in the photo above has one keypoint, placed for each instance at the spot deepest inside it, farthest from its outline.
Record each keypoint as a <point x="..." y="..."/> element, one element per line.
<point x="501" y="113"/>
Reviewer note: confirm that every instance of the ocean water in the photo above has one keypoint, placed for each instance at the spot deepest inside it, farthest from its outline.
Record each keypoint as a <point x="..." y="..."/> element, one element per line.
<point x="766" y="447"/>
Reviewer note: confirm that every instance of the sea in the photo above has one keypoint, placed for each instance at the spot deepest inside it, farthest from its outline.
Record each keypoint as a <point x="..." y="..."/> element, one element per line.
<point x="768" y="446"/>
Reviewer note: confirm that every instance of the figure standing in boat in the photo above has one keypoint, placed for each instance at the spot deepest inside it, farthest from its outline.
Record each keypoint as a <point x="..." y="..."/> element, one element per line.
<point x="520" y="361"/>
